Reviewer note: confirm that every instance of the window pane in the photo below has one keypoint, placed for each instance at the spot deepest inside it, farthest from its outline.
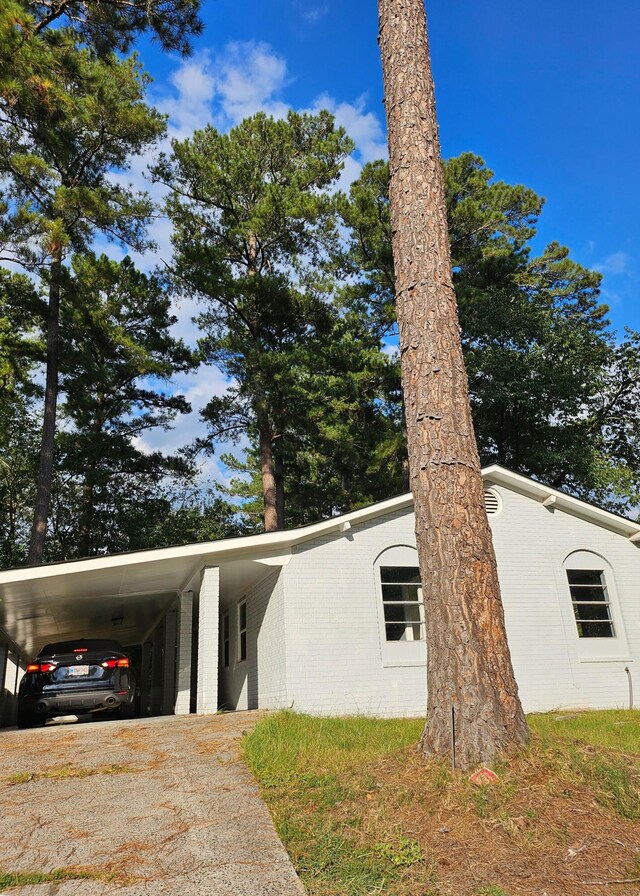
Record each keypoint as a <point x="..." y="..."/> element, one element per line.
<point x="402" y="612"/>
<point x="592" y="611"/>
<point x="595" y="629"/>
<point x="400" y="574"/>
<point x="243" y="615"/>
<point x="590" y="603"/>
<point x="243" y="645"/>
<point x="588" y="592"/>
<point x="397" y="631"/>
<point x="400" y="593"/>
<point x="584" y="576"/>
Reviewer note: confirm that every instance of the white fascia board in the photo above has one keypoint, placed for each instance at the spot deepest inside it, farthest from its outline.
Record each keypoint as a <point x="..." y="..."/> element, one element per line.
<point x="551" y="497"/>
<point x="272" y="548"/>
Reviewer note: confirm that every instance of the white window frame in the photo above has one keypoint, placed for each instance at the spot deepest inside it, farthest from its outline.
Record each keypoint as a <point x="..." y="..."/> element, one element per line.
<point x="396" y="653"/>
<point x="225" y="639"/>
<point x="409" y="625"/>
<point x="578" y="590"/>
<point x="242" y="631"/>
<point x="595" y="650"/>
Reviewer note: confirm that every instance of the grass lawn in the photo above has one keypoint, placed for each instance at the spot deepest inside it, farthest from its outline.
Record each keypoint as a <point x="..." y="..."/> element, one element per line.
<point x="361" y="812"/>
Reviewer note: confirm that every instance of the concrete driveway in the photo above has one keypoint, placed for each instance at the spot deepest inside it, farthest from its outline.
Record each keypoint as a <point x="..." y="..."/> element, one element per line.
<point x="152" y="806"/>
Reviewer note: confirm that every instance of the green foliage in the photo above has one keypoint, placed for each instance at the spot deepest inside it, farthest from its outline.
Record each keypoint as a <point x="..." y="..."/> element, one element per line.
<point x="249" y="209"/>
<point x="404" y="852"/>
<point x="554" y="395"/>
<point x="59" y="144"/>
<point x="110" y="26"/>
<point x="19" y="441"/>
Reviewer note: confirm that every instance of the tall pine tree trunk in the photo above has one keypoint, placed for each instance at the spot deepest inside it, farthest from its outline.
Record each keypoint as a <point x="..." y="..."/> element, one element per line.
<point x="280" y="493"/>
<point x="85" y="524"/>
<point x="267" y="469"/>
<point x="468" y="661"/>
<point x="45" y="468"/>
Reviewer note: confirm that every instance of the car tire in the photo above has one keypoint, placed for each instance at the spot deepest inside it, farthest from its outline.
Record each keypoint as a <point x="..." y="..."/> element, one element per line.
<point x="127" y="711"/>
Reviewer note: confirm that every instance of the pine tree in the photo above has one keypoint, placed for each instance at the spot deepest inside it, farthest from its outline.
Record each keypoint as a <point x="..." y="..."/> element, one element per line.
<point x="468" y="662"/>
<point x="57" y="155"/>
<point x="247" y="207"/>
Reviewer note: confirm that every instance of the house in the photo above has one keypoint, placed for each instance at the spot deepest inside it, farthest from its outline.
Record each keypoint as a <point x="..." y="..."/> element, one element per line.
<point x="328" y="618"/>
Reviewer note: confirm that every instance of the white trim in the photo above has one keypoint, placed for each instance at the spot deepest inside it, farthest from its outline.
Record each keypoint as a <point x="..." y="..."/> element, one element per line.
<point x="540" y="492"/>
<point x="274" y="548"/>
<point x="240" y="631"/>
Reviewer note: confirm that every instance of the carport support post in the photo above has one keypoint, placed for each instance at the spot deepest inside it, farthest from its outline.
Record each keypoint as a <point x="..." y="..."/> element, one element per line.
<point x="208" y="624"/>
<point x="185" y="627"/>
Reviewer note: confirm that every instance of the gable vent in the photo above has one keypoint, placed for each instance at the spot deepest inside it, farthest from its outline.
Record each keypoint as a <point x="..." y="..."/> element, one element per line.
<point x="491" y="502"/>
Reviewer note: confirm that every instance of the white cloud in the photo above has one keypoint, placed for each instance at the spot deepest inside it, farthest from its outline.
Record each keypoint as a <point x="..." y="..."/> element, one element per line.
<point x="364" y="128"/>
<point x="198" y="388"/>
<point x="616" y="263"/>
<point x="249" y="78"/>
<point x="311" y="12"/>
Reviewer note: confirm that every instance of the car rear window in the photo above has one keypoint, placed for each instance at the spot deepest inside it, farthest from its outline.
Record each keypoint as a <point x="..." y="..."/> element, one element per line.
<point x="90" y="644"/>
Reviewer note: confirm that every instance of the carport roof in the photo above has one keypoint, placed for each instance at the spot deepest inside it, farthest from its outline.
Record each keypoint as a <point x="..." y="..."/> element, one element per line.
<point x="58" y="601"/>
<point x="65" y="600"/>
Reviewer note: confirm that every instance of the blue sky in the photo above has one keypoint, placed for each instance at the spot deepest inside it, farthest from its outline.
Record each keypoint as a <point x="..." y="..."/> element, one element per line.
<point x="548" y="93"/>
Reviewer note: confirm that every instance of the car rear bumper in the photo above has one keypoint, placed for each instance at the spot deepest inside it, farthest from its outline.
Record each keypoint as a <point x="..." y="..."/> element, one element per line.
<point x="78" y="701"/>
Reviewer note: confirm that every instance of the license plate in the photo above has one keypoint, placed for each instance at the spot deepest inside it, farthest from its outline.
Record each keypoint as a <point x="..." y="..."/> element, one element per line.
<point x="78" y="671"/>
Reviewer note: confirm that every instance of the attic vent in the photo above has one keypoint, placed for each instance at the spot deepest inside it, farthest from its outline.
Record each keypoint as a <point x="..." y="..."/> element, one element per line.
<point x="491" y="502"/>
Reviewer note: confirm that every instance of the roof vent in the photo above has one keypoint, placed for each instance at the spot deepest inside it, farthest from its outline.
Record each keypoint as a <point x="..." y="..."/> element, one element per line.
<point x="491" y="502"/>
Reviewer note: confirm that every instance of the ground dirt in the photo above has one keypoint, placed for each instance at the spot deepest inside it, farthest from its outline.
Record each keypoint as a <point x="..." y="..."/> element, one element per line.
<point x="529" y="836"/>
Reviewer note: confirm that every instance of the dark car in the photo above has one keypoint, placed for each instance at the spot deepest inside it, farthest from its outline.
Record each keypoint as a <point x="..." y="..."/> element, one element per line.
<point x="72" y="677"/>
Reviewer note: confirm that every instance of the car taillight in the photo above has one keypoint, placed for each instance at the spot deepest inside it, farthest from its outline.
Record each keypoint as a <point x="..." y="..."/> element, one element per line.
<point x="41" y="667"/>
<point x="116" y="664"/>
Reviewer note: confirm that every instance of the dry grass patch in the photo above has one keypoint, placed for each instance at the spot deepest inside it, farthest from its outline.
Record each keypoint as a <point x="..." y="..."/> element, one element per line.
<point x="361" y="812"/>
<point x="108" y="874"/>
<point x="63" y="772"/>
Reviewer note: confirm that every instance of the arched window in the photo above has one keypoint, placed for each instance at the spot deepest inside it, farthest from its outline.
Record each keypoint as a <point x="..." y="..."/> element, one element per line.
<point x="400" y="606"/>
<point x="587" y="577"/>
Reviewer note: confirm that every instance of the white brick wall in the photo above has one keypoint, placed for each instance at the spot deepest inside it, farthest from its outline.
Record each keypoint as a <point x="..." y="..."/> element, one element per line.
<point x="315" y="638"/>
<point x="260" y="680"/>
<point x="553" y="667"/>
<point x="336" y="662"/>
<point x="208" y="615"/>
<point x="332" y="624"/>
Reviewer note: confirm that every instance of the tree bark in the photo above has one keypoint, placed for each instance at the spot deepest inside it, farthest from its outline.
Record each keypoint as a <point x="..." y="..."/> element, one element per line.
<point x="468" y="661"/>
<point x="45" y="468"/>
<point x="280" y="493"/>
<point x="86" y="515"/>
<point x="269" y="489"/>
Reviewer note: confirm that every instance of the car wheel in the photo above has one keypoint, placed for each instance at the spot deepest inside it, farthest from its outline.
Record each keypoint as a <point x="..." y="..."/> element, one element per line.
<point x="126" y="711"/>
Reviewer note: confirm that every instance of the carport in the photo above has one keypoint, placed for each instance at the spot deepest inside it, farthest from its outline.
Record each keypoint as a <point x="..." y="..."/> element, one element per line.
<point x="163" y="604"/>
